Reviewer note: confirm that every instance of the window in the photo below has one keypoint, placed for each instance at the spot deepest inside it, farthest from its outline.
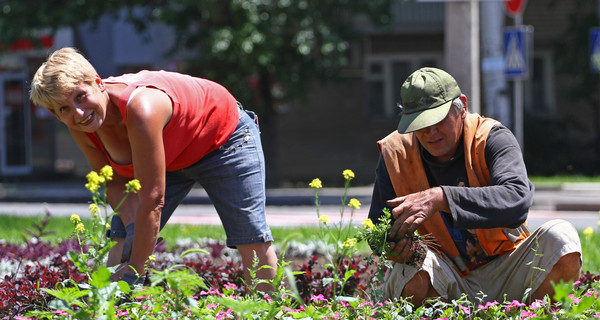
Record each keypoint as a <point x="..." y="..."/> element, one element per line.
<point x="384" y="77"/>
<point x="539" y="96"/>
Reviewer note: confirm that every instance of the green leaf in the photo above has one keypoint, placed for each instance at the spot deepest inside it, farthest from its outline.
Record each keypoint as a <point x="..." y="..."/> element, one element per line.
<point x="348" y="274"/>
<point x="190" y="251"/>
<point x="100" y="278"/>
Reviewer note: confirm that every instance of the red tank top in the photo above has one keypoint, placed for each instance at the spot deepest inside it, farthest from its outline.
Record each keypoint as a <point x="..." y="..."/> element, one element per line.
<point x="204" y="116"/>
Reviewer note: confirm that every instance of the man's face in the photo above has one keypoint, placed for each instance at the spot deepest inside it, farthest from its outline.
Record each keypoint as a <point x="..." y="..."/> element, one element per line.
<point x="441" y="139"/>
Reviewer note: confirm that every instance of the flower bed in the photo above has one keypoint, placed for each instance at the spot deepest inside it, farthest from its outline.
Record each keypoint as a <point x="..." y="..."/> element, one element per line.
<point x="203" y="280"/>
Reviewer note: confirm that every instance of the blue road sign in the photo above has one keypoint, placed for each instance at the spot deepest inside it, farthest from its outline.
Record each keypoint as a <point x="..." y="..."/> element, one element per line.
<point x="595" y="50"/>
<point x="516" y="53"/>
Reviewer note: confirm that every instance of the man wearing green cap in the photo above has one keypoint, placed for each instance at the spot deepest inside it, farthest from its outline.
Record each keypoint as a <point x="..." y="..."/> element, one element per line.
<point x="459" y="180"/>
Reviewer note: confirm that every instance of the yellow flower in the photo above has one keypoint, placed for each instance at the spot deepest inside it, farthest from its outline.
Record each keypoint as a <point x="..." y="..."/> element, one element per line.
<point x="324" y="219"/>
<point x="80" y="228"/>
<point x="368" y="224"/>
<point x="107" y="172"/>
<point x="75" y="219"/>
<point x="350" y="242"/>
<point x="107" y="225"/>
<point x="94" y="208"/>
<point x="152" y="257"/>
<point x="348" y="174"/>
<point x="354" y="203"/>
<point x="133" y="186"/>
<point x="94" y="181"/>
<point x="588" y="232"/>
<point x="316" y="183"/>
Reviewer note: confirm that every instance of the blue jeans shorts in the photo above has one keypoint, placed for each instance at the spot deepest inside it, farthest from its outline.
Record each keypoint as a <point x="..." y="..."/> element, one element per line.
<point x="233" y="176"/>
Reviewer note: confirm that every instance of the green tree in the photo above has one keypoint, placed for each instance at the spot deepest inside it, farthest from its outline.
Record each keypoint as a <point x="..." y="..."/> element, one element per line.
<point x="264" y="51"/>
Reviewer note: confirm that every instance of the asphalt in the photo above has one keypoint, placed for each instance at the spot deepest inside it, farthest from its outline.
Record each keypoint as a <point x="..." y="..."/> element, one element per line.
<point x="575" y="202"/>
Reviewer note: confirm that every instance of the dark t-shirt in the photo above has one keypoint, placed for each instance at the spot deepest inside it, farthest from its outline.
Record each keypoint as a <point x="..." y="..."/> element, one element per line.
<point x="503" y="204"/>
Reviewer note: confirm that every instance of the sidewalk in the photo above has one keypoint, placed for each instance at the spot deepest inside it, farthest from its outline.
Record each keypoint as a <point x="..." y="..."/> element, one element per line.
<point x="566" y="197"/>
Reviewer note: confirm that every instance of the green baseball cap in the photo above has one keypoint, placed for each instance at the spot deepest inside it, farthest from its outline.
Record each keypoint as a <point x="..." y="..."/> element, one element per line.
<point x="426" y="95"/>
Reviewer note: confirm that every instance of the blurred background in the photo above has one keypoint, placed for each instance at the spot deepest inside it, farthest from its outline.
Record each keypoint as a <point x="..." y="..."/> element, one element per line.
<point x="323" y="75"/>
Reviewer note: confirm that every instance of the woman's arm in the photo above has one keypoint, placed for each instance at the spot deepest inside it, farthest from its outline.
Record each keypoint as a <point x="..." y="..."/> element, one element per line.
<point x="147" y="114"/>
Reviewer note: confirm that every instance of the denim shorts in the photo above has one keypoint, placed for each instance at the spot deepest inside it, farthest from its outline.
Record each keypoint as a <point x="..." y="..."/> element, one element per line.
<point x="233" y="176"/>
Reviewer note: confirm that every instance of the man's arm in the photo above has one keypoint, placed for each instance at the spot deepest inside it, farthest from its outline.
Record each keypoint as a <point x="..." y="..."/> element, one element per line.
<point x="507" y="201"/>
<point x="382" y="192"/>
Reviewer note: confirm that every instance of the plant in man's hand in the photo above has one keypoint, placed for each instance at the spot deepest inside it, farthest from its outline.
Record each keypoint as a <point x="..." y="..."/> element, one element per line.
<point x="378" y="237"/>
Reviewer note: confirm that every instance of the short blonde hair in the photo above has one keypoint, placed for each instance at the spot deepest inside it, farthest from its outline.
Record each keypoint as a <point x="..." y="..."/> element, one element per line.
<point x="64" y="70"/>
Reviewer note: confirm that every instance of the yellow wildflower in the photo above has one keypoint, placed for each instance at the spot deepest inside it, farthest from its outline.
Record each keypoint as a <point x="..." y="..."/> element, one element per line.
<point x="152" y="258"/>
<point x="348" y="174"/>
<point x="588" y="232"/>
<point x="316" y="183"/>
<point x="94" y="181"/>
<point x="324" y="219"/>
<point x="94" y="209"/>
<point x="133" y="186"/>
<point x="107" y="172"/>
<point x="354" y="203"/>
<point x="80" y="228"/>
<point x="107" y="225"/>
<point x="75" y="219"/>
<point x="368" y="224"/>
<point x="350" y="242"/>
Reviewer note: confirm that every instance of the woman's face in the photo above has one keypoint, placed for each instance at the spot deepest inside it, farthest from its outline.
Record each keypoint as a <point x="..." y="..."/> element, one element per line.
<point x="84" y="109"/>
<point x="441" y="139"/>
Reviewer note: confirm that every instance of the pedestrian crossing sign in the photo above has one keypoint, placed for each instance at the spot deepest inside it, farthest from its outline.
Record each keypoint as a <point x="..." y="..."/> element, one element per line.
<point x="595" y="50"/>
<point x="517" y="44"/>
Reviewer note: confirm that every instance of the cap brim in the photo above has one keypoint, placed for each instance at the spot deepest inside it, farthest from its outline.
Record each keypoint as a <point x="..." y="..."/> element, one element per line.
<point x="419" y="120"/>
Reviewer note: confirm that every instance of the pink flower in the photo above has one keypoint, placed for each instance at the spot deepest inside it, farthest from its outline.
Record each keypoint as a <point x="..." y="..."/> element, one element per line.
<point x="211" y="306"/>
<point x="464" y="309"/>
<point x="122" y="313"/>
<point x="230" y="286"/>
<point x="575" y="299"/>
<point x="267" y="297"/>
<point x="318" y="297"/>
<point x="22" y="318"/>
<point x="211" y="291"/>
<point x="514" y="304"/>
<point x="527" y="314"/>
<point x="60" y="312"/>
<point x="487" y="305"/>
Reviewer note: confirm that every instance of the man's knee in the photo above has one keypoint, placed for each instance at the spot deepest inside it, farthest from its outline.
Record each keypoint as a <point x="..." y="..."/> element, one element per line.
<point x="419" y="288"/>
<point x="568" y="267"/>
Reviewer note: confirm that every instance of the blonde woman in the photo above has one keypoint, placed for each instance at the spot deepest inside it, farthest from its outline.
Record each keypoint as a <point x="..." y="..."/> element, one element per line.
<point x="170" y="131"/>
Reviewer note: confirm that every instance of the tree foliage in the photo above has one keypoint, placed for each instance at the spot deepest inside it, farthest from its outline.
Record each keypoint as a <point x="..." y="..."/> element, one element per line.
<point x="273" y="46"/>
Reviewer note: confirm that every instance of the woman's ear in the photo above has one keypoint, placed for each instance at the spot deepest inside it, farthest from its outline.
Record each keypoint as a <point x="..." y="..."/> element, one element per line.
<point x="100" y="83"/>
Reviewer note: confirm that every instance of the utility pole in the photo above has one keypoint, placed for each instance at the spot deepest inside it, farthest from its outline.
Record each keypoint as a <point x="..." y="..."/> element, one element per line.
<point x="494" y="87"/>
<point x="461" y="48"/>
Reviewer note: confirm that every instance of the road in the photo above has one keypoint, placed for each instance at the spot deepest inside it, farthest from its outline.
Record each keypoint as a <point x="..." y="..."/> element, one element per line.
<point x="288" y="216"/>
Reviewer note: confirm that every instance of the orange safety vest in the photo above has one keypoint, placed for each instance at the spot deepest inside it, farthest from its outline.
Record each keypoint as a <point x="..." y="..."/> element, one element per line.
<point x="401" y="153"/>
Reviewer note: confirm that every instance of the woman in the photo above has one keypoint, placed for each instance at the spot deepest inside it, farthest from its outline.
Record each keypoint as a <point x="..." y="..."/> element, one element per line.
<point x="169" y="131"/>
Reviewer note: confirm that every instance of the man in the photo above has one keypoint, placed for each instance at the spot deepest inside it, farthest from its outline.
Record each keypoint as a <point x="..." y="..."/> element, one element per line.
<point x="459" y="180"/>
<point x="170" y="131"/>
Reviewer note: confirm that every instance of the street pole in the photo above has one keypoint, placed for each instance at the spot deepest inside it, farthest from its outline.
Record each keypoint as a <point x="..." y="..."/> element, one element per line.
<point x="461" y="53"/>
<point x="494" y="87"/>
<point x="518" y="96"/>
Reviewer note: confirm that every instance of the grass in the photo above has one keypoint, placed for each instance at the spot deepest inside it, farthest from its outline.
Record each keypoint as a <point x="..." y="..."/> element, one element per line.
<point x="564" y="179"/>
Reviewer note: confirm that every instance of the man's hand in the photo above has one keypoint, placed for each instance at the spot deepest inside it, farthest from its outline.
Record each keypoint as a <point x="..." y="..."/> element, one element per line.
<point x="401" y="251"/>
<point x="412" y="210"/>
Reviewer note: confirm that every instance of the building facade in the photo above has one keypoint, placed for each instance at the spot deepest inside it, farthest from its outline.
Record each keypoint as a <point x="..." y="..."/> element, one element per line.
<point x="337" y="127"/>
